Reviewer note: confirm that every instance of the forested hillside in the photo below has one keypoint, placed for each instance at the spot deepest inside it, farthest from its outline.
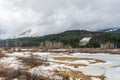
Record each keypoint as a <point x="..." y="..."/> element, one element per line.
<point x="71" y="37"/>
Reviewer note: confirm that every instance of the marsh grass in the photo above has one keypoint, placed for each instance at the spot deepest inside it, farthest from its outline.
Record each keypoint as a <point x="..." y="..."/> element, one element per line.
<point x="10" y="74"/>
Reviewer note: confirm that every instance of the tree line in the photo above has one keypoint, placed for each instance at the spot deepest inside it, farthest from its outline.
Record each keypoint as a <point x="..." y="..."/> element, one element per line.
<point x="71" y="37"/>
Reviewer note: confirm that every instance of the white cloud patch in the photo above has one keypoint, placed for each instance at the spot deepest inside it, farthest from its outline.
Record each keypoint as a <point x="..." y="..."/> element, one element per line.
<point x="52" y="16"/>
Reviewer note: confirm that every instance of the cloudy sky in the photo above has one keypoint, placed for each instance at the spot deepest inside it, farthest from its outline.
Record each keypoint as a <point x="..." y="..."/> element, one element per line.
<point x="52" y="16"/>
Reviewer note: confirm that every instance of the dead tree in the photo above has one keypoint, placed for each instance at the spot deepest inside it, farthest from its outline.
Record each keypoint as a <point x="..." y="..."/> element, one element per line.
<point x="7" y="44"/>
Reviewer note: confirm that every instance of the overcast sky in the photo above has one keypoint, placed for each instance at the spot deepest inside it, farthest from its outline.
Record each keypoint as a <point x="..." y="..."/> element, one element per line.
<point x="52" y="16"/>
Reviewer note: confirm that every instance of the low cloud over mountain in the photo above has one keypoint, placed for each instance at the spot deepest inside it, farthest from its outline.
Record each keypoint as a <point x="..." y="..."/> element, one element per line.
<point x="52" y="16"/>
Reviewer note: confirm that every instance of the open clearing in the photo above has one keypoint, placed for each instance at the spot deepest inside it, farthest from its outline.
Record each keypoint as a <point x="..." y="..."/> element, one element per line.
<point x="30" y="65"/>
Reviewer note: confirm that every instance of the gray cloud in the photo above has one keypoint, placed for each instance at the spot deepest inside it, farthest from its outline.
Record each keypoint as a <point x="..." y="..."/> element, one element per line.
<point x="52" y="16"/>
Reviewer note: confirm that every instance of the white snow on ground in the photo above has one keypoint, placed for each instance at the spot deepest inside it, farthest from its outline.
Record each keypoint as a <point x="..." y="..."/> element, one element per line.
<point x="10" y="62"/>
<point x="19" y="54"/>
<point x="113" y="73"/>
<point x="41" y="53"/>
<point x="95" y="78"/>
<point x="111" y="67"/>
<point x="92" y="71"/>
<point x="97" y="69"/>
<point x="2" y="78"/>
<point x="74" y="79"/>
<point x="43" y="70"/>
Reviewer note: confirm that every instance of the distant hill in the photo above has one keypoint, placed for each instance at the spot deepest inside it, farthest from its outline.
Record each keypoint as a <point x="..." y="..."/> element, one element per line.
<point x="70" y="37"/>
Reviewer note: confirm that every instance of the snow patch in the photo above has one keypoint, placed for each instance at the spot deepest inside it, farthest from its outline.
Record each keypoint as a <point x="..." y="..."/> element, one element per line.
<point x="11" y="62"/>
<point x="93" y="71"/>
<point x="19" y="54"/>
<point x="93" y="78"/>
<point x="85" y="39"/>
<point x="113" y="73"/>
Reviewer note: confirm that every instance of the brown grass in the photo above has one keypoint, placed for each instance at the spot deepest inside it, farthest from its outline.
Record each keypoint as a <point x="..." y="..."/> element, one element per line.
<point x="69" y="64"/>
<point x="67" y="73"/>
<point x="102" y="77"/>
<point x="2" y="55"/>
<point x="33" y="61"/>
<point x="61" y="54"/>
<point x="10" y="74"/>
<point x="74" y="59"/>
<point x="77" y="65"/>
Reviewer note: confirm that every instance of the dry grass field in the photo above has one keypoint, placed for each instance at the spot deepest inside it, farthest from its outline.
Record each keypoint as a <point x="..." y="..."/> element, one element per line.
<point x="34" y="65"/>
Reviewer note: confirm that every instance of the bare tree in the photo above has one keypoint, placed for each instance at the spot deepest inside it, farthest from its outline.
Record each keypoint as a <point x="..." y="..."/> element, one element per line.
<point x="7" y="44"/>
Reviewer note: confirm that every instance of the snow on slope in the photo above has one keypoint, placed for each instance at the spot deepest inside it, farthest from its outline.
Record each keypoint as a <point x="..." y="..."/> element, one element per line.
<point x="110" y="30"/>
<point x="26" y="33"/>
<point x="85" y="40"/>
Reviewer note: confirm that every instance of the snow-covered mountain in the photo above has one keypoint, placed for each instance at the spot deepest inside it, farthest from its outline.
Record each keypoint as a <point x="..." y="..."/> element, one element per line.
<point x="26" y="33"/>
<point x="116" y="30"/>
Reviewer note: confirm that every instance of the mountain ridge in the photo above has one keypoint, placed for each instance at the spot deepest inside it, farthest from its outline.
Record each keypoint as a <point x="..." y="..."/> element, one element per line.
<point x="29" y="33"/>
<point x="115" y="30"/>
<point x="70" y="37"/>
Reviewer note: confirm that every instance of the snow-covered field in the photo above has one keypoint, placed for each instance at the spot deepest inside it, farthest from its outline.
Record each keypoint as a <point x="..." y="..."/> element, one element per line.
<point x="61" y="66"/>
